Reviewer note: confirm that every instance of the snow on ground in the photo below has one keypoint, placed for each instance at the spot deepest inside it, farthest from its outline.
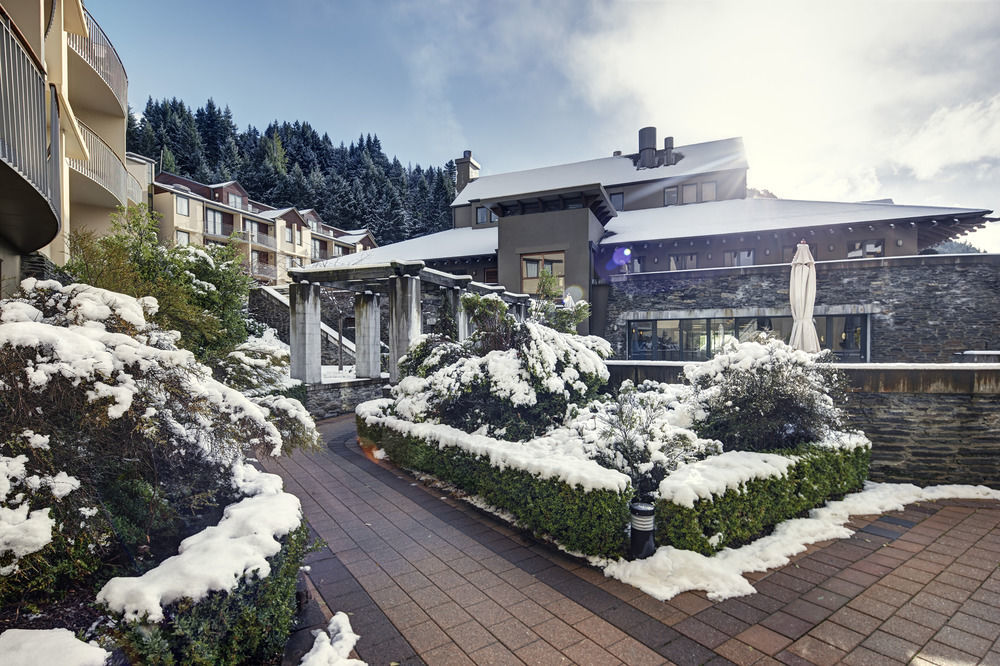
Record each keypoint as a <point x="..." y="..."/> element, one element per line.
<point x="671" y="571"/>
<point x="31" y="647"/>
<point x="333" y="646"/>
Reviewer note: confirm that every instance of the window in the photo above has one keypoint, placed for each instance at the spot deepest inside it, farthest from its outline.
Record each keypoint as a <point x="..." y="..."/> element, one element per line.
<point x="318" y="249"/>
<point x="636" y="264"/>
<point x="690" y="193"/>
<point x="213" y="222"/>
<point x="670" y="196"/>
<point x="867" y="248"/>
<point x="182" y="237"/>
<point x="288" y="234"/>
<point x="490" y="276"/>
<point x="683" y="262"/>
<point x="298" y="235"/>
<point x="739" y="258"/>
<point x="788" y="252"/>
<point x="183" y="206"/>
<point x="618" y="200"/>
<point x="533" y="264"/>
<point x="708" y="191"/>
<point x="235" y="200"/>
<point x="485" y="215"/>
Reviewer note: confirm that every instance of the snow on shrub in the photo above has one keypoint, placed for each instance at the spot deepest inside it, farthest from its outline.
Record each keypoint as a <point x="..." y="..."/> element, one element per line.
<point x="92" y="392"/>
<point x="763" y="395"/>
<point x="643" y="432"/>
<point x="509" y="379"/>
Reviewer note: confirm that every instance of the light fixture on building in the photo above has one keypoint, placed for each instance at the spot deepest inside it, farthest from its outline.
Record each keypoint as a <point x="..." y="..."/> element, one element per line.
<point x="899" y="242"/>
<point x="830" y="247"/>
<point x="767" y="252"/>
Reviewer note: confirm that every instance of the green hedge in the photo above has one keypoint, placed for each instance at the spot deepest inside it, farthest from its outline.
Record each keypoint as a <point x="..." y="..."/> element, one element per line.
<point x="246" y="626"/>
<point x="744" y="514"/>
<point x="589" y="522"/>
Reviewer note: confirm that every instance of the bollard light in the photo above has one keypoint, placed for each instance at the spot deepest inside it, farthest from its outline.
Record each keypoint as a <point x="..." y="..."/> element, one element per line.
<point x="642" y="545"/>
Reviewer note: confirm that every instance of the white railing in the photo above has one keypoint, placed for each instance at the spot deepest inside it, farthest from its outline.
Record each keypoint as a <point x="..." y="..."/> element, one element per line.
<point x="104" y="167"/>
<point x="135" y="192"/>
<point x="263" y="270"/>
<point x="98" y="52"/>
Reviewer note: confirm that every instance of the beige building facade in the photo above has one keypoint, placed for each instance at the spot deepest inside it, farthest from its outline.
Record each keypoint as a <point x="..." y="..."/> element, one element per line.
<point x="62" y="142"/>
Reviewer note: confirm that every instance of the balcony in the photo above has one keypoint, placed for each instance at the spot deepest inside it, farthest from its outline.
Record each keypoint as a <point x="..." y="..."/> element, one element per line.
<point x="263" y="240"/>
<point x="322" y="255"/>
<point x="257" y="269"/>
<point x="105" y="180"/>
<point x="136" y="194"/>
<point x="222" y="232"/>
<point x="29" y="172"/>
<point x="97" y="57"/>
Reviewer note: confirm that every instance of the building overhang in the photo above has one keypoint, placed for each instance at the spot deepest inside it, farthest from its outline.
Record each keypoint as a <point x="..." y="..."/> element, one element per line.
<point x="593" y="196"/>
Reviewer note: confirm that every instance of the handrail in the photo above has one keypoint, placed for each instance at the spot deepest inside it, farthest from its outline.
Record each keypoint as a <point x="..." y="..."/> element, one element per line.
<point x="135" y="191"/>
<point x="104" y="166"/>
<point x="101" y="55"/>
<point x="24" y="143"/>
<point x="267" y="270"/>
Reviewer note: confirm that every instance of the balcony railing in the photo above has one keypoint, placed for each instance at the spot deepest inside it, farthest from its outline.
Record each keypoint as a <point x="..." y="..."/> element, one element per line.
<point x="24" y="144"/>
<point x="104" y="167"/>
<point x="224" y="231"/>
<point x="135" y="192"/>
<point x="258" y="269"/>
<point x="263" y="239"/>
<point x="320" y="256"/>
<point x="98" y="52"/>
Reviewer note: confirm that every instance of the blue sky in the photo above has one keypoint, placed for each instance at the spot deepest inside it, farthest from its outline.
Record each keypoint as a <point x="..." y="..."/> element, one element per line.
<point x="843" y="101"/>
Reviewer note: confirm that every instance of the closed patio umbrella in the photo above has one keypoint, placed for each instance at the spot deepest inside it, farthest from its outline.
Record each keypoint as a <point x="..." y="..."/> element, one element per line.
<point x="802" y="294"/>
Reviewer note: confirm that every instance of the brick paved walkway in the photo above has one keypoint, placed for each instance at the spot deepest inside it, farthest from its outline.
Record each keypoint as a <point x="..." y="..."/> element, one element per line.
<point x="427" y="579"/>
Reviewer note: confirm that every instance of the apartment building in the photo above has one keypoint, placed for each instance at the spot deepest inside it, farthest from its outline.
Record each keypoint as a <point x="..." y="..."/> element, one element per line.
<point x="272" y="240"/>
<point x="675" y="259"/>
<point x="64" y="95"/>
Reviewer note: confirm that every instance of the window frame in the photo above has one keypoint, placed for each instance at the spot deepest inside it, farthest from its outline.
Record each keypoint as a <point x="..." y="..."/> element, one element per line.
<point x="620" y="196"/>
<point x="671" y="196"/>
<point x="715" y="191"/>
<point x="557" y="258"/>
<point x="178" y="234"/>
<point x="488" y="215"/>
<point x="689" y="187"/>
<point x="187" y="205"/>
<point x="216" y="216"/>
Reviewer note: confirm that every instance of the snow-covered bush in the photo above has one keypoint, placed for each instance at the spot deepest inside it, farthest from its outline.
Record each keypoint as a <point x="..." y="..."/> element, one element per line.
<point x="763" y="395"/>
<point x="555" y="309"/>
<point x="92" y="392"/>
<point x="510" y="379"/>
<point x="643" y="432"/>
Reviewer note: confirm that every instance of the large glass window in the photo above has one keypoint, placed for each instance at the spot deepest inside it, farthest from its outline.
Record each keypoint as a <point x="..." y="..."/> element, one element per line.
<point x="739" y="257"/>
<point x="690" y="193"/>
<point x="866" y="248"/>
<point x="213" y="222"/>
<point x="288" y="233"/>
<point x="669" y="196"/>
<point x="484" y="215"/>
<point x="618" y="200"/>
<point x="183" y="206"/>
<point x="700" y="339"/>
<point x="235" y="200"/>
<point x="182" y="237"/>
<point x="708" y="191"/>
<point x="683" y="262"/>
<point x="533" y="264"/>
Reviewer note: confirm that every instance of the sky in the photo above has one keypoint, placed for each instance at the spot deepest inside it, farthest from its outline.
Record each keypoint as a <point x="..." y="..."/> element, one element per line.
<point x="835" y="101"/>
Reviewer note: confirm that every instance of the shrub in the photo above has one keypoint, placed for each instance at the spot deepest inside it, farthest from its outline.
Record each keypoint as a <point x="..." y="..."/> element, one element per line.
<point x="555" y="310"/>
<point x="246" y="626"/>
<point x="750" y="509"/>
<point x="763" y="395"/>
<point x="590" y="522"/>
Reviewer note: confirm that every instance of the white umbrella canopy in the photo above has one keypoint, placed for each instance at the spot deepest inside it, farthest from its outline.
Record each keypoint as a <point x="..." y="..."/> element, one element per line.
<point x="802" y="294"/>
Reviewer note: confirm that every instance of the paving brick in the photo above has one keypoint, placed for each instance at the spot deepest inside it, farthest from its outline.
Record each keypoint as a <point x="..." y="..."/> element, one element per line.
<point x="558" y="633"/>
<point x="963" y="640"/>
<point x="907" y="630"/>
<point x="724" y="622"/>
<point x="689" y="603"/>
<point x="843" y="587"/>
<point x="855" y="620"/>
<point x="869" y="605"/>
<point x="742" y="611"/>
<point x="824" y="598"/>
<point x="588" y="653"/>
<point x="634" y="653"/>
<point x="936" y="603"/>
<point x="529" y="612"/>
<point x="788" y="625"/>
<point x="466" y="594"/>
<point x="541" y="653"/>
<point x="488" y="613"/>
<point x="791" y="582"/>
<point x="684" y="651"/>
<point x="406" y="615"/>
<point x="862" y="656"/>
<point x="448" y="615"/>
<point x="763" y="639"/>
<point x="495" y="654"/>
<point x="470" y="636"/>
<point x="945" y="655"/>
<point x="807" y="611"/>
<point x="815" y="651"/>
<point x="837" y="635"/>
<point x="858" y="577"/>
<point x="698" y="631"/>
<point x="425" y="636"/>
<point x="513" y="633"/>
<point x="600" y="631"/>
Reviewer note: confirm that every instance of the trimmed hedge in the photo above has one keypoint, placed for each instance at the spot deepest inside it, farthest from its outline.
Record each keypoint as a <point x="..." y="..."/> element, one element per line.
<point x="744" y="514"/>
<point x="249" y="625"/>
<point x="588" y="522"/>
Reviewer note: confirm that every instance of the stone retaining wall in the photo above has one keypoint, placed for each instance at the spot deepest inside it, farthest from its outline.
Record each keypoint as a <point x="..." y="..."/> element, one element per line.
<point x="929" y="423"/>
<point x="922" y="309"/>
<point x="328" y="400"/>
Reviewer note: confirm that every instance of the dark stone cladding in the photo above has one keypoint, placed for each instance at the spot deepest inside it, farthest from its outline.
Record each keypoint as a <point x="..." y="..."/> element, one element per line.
<point x="923" y="308"/>
<point x="41" y="267"/>
<point x="328" y="400"/>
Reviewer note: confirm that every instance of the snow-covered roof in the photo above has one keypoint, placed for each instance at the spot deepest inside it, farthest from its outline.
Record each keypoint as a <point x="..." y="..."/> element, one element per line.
<point x="461" y="242"/>
<point x="272" y="214"/>
<point x="352" y="238"/>
<point x="228" y="182"/>
<point x="758" y="215"/>
<point x="698" y="158"/>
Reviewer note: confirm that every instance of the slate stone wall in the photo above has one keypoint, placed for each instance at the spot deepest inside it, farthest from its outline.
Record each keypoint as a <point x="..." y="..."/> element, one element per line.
<point x="328" y="400"/>
<point x="922" y="309"/>
<point x="272" y="312"/>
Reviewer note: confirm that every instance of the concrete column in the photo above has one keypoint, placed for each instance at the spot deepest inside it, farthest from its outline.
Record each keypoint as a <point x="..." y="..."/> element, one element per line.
<point x="404" y="319"/>
<point x="367" y="333"/>
<point x="304" y="332"/>
<point x="519" y="309"/>
<point x="461" y="316"/>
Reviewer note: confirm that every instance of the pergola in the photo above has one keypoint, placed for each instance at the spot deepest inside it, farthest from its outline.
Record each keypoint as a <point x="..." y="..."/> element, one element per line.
<point x="400" y="282"/>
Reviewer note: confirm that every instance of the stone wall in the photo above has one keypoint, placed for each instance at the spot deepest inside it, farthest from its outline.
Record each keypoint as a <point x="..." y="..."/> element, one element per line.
<point x="328" y="400"/>
<point x="922" y="309"/>
<point x="41" y="267"/>
<point x="929" y="423"/>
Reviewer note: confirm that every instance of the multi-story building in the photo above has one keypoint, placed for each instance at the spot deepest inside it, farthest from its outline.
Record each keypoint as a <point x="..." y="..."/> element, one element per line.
<point x="63" y="92"/>
<point x="271" y="239"/>
<point x="675" y="259"/>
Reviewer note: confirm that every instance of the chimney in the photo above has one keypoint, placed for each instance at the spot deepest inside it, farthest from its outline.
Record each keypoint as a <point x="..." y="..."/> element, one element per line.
<point x="468" y="170"/>
<point x="668" y="151"/>
<point x="647" y="147"/>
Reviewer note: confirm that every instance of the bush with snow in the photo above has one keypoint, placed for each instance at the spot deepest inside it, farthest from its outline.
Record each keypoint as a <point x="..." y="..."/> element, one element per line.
<point x="763" y="395"/>
<point x="508" y="379"/>
<point x="101" y="403"/>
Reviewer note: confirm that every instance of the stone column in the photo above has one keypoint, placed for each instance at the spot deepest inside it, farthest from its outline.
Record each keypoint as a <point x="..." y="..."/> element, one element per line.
<point x="404" y="318"/>
<point x="304" y="332"/>
<point x="461" y="316"/>
<point x="367" y="333"/>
